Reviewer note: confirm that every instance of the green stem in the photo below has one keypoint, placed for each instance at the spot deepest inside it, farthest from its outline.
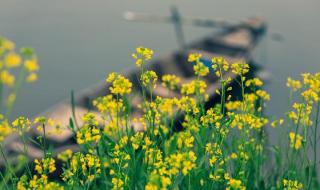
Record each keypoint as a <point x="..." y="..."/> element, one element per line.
<point x="44" y="140"/>
<point x="25" y="151"/>
<point x="4" y="181"/>
<point x="8" y="165"/>
<point x="15" y="91"/>
<point x="315" y="139"/>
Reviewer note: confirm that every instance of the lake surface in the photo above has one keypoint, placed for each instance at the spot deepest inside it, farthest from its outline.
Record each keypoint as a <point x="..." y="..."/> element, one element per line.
<point x="79" y="41"/>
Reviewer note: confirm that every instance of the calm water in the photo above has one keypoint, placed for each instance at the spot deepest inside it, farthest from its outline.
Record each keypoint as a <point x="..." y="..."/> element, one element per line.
<point x="79" y="41"/>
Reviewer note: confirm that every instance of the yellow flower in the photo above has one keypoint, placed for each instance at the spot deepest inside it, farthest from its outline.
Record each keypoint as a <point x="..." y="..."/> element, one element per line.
<point x="120" y="84"/>
<point x="170" y="81"/>
<point x="5" y="130"/>
<point x="165" y="181"/>
<point x="22" y="183"/>
<point x="233" y="155"/>
<point x="89" y="132"/>
<point x="108" y="105"/>
<point x="32" y="77"/>
<point x="136" y="140"/>
<point x="240" y="68"/>
<point x="200" y="69"/>
<point x="235" y="184"/>
<point x="310" y="96"/>
<point x="12" y="60"/>
<point x="295" y="140"/>
<point x="21" y="124"/>
<point x="45" y="166"/>
<point x="292" y="184"/>
<point x="31" y="65"/>
<point x="151" y="187"/>
<point x="263" y="95"/>
<point x="65" y="155"/>
<point x="6" y="44"/>
<point x="141" y="55"/>
<point x="53" y="186"/>
<point x="194" y="57"/>
<point x="214" y="177"/>
<point x="276" y="123"/>
<point x="111" y="77"/>
<point x="254" y="82"/>
<point x="6" y="78"/>
<point x="293" y="84"/>
<point x="149" y="78"/>
<point x="193" y="88"/>
<point x="167" y="105"/>
<point x="220" y="65"/>
<point x="86" y="167"/>
<point x="117" y="184"/>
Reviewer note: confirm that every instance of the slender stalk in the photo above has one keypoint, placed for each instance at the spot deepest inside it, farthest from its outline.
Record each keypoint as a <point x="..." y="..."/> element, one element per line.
<point x="315" y="139"/>
<point x="8" y="165"/>
<point x="15" y="91"/>
<point x="25" y="151"/>
<point x="295" y="139"/>
<point x="44" y="140"/>
<point x="4" y="181"/>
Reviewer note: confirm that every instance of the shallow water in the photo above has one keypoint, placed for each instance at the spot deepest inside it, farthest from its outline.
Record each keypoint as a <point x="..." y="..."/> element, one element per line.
<point x="78" y="41"/>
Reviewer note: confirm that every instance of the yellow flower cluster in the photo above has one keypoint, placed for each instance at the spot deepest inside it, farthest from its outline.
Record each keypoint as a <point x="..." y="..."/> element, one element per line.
<point x="278" y="122"/>
<point x="12" y="60"/>
<point x="312" y="84"/>
<point x="142" y="55"/>
<point x="248" y="121"/>
<point x="40" y="180"/>
<point x="37" y="183"/>
<point x="292" y="184"/>
<point x="6" y="78"/>
<point x="263" y="95"/>
<point x="183" y="140"/>
<point x="120" y="84"/>
<point x="136" y="140"/>
<point x="108" y="106"/>
<point x="188" y="104"/>
<point x="119" y="164"/>
<point x="240" y="68"/>
<point x="295" y="140"/>
<point x="255" y="82"/>
<point x="214" y="153"/>
<point x="200" y="69"/>
<point x="301" y="114"/>
<point x="167" y="106"/>
<point x="220" y="65"/>
<point x="183" y="162"/>
<point x="65" y="155"/>
<point x="88" y="165"/>
<point x="293" y="84"/>
<point x="42" y="122"/>
<point x="235" y="184"/>
<point x="45" y="166"/>
<point x="149" y="79"/>
<point x="170" y="81"/>
<point x="21" y="125"/>
<point x="186" y="142"/>
<point x="5" y="129"/>
<point x="89" y="132"/>
<point x="212" y="117"/>
<point x="194" y="57"/>
<point x="194" y="87"/>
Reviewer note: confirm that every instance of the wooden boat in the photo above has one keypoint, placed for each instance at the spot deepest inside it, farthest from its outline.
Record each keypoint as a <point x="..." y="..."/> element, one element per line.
<point x="233" y="43"/>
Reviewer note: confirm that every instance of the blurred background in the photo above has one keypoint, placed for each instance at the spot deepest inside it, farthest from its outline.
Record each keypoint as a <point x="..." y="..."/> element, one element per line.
<point x="79" y="41"/>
